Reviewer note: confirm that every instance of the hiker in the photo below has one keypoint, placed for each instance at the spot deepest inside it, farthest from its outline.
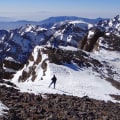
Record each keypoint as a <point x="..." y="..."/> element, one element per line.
<point x="53" y="81"/>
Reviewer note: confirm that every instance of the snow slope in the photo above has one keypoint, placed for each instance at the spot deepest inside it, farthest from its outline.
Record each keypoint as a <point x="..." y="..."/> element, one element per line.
<point x="112" y="58"/>
<point x="77" y="83"/>
<point x="71" y="80"/>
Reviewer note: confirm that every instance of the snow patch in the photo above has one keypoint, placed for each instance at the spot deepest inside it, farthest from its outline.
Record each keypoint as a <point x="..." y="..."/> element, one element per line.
<point x="2" y="107"/>
<point x="110" y="57"/>
<point x="68" y="48"/>
<point x="90" y="34"/>
<point x="10" y="59"/>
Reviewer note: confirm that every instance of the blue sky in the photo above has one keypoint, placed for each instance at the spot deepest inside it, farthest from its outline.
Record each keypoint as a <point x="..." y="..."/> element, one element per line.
<point x="41" y="9"/>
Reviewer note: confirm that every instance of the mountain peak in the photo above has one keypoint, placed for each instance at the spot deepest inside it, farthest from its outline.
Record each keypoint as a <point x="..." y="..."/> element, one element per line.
<point x="117" y="18"/>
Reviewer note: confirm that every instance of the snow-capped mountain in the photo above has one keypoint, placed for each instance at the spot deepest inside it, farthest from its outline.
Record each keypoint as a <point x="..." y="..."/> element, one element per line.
<point x="17" y="45"/>
<point x="37" y="53"/>
<point x="24" y="39"/>
<point x="112" y="26"/>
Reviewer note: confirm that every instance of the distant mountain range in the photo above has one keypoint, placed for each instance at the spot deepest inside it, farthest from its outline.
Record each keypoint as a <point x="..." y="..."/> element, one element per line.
<point x="7" y="23"/>
<point x="58" y="19"/>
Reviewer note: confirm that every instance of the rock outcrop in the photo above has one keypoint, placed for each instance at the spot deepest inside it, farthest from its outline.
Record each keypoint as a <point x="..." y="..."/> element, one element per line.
<point x="9" y="67"/>
<point x="91" y="42"/>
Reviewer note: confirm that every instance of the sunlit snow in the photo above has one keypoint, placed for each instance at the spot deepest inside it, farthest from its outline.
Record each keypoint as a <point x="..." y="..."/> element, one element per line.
<point x="71" y="80"/>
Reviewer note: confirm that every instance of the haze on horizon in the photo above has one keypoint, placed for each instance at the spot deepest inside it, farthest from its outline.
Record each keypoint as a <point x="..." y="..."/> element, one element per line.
<point x="41" y="9"/>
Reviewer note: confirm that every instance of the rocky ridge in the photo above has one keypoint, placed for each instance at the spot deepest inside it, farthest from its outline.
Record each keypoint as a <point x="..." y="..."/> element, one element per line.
<point x="25" y="106"/>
